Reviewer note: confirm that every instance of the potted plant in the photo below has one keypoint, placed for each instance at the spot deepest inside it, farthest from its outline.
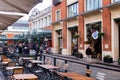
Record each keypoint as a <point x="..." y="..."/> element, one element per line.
<point x="100" y="34"/>
<point x="60" y="37"/>
<point x="76" y="36"/>
<point x="119" y="61"/>
<point x="108" y="59"/>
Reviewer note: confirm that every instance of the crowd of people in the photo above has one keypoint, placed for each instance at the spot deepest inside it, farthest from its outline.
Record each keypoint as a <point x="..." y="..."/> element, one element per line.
<point x="24" y="49"/>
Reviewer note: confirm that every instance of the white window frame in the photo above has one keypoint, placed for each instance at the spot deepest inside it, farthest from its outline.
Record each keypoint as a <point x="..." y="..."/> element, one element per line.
<point x="92" y="5"/>
<point x="57" y="19"/>
<point x="72" y="6"/>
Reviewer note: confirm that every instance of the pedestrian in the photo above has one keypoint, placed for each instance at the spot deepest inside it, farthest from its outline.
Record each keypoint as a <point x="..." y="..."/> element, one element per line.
<point x="26" y="50"/>
<point x="37" y="51"/>
<point x="20" y="49"/>
<point x="5" y="49"/>
<point x="89" y="53"/>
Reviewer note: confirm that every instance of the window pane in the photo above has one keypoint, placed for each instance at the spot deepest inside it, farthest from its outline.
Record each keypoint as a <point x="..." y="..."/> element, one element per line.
<point x="58" y="15"/>
<point x="73" y="10"/>
<point x="116" y="0"/>
<point x="93" y="4"/>
<point x="96" y="3"/>
<point x="88" y="5"/>
<point x="100" y="3"/>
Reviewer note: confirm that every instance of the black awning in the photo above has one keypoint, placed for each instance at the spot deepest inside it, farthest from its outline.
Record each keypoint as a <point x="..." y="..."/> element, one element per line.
<point x="58" y="30"/>
<point x="117" y="19"/>
<point x="73" y="28"/>
<point x="45" y="33"/>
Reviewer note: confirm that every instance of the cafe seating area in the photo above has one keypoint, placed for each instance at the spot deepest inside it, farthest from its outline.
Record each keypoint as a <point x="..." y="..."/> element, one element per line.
<point x="27" y="68"/>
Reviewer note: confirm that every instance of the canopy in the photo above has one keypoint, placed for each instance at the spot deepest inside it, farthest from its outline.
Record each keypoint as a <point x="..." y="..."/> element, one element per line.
<point x="19" y="6"/>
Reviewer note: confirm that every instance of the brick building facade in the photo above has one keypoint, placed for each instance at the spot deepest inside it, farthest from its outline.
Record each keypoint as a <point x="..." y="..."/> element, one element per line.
<point x="84" y="17"/>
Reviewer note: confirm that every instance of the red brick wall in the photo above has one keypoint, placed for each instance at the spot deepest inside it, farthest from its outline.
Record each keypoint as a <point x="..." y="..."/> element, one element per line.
<point x="63" y="9"/>
<point x="81" y="25"/>
<point x="107" y="26"/>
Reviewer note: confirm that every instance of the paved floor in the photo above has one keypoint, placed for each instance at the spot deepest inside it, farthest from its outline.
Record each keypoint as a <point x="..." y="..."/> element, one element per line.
<point x="81" y="69"/>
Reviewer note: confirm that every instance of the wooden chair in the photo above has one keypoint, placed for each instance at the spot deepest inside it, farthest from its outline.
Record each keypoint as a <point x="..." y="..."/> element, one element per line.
<point x="47" y="61"/>
<point x="59" y="65"/>
<point x="3" y="57"/>
<point x="18" y="71"/>
<point x="64" y="68"/>
<point x="6" y="60"/>
<point x="10" y="64"/>
<point x="31" y="79"/>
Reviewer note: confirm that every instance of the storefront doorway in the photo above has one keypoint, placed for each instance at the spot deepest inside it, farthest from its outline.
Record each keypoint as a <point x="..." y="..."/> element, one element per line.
<point x="60" y="41"/>
<point x="74" y="39"/>
<point x="95" y="43"/>
<point x="119" y="40"/>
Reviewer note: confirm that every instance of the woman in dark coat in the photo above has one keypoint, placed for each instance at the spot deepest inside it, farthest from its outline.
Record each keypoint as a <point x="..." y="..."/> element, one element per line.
<point x="89" y="53"/>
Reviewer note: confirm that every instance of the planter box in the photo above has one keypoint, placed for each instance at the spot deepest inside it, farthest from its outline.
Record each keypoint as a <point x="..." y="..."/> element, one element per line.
<point x="78" y="55"/>
<point x="118" y="63"/>
<point x="108" y="60"/>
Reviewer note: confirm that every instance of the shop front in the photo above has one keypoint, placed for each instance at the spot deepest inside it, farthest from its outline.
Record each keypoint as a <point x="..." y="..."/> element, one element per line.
<point x="94" y="37"/>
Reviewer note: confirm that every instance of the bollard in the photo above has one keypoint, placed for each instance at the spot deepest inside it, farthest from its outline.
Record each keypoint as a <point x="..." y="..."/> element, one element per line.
<point x="54" y="61"/>
<point x="88" y="71"/>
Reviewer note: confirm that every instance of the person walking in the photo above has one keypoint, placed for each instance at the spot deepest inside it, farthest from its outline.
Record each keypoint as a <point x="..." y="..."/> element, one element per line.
<point x="5" y="50"/>
<point x="89" y="53"/>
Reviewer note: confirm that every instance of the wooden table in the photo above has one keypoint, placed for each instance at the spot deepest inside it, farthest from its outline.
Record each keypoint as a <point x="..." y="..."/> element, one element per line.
<point x="35" y="61"/>
<point x="46" y="66"/>
<point x="13" y="67"/>
<point x="6" y="60"/>
<point x="25" y="76"/>
<point x="75" y="76"/>
<point x="27" y="58"/>
<point x="4" y="63"/>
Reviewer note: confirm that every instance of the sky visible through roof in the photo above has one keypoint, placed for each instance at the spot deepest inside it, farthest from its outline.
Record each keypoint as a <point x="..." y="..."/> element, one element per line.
<point x="40" y="7"/>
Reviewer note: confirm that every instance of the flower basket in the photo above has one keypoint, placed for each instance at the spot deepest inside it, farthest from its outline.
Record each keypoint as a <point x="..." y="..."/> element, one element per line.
<point x="108" y="59"/>
<point x="87" y="42"/>
<point x="76" y="36"/>
<point x="60" y="37"/>
<point x="100" y="34"/>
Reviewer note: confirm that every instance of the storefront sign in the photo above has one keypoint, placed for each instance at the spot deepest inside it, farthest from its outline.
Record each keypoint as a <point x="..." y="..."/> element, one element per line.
<point x="95" y="34"/>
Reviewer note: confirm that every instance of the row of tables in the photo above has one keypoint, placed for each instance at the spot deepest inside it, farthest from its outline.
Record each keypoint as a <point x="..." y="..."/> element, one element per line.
<point x="18" y="76"/>
<point x="46" y="67"/>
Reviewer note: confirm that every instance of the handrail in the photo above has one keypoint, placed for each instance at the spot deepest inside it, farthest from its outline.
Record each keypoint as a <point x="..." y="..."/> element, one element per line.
<point x="66" y="59"/>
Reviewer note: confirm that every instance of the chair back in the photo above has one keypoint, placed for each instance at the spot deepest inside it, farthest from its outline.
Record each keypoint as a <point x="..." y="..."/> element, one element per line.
<point x="47" y="61"/>
<point x="100" y="76"/>
<point x="31" y="79"/>
<point x="3" y="57"/>
<point x="11" y="63"/>
<point x="65" y="67"/>
<point x="59" y="64"/>
<point x="18" y="71"/>
<point x="6" y="60"/>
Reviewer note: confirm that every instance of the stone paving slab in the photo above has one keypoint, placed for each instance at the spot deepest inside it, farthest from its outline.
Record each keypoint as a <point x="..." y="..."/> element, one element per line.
<point x="81" y="69"/>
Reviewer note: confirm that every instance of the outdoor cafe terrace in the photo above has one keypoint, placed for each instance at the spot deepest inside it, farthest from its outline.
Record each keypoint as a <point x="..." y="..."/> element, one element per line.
<point x="52" y="67"/>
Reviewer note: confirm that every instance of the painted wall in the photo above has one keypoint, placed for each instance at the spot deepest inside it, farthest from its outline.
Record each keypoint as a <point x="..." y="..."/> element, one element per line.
<point x="115" y="37"/>
<point x="71" y="1"/>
